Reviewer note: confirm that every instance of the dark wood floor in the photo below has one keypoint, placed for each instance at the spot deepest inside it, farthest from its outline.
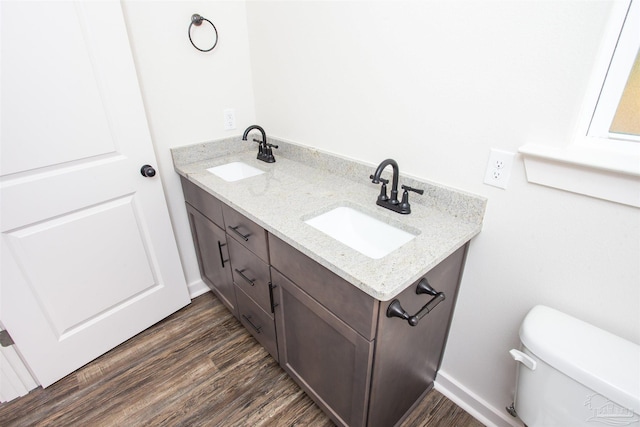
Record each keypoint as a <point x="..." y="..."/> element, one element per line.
<point x="198" y="367"/>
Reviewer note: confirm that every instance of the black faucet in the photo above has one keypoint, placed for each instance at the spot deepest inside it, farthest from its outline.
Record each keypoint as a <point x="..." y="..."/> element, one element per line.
<point x="264" y="148"/>
<point x="392" y="202"/>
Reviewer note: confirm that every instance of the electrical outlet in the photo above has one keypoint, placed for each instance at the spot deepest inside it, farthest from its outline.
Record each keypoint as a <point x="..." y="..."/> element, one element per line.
<point x="499" y="168"/>
<point x="229" y="119"/>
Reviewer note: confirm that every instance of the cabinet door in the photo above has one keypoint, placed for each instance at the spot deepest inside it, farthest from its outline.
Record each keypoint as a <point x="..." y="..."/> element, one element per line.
<point x="329" y="360"/>
<point x="408" y="357"/>
<point x="213" y="257"/>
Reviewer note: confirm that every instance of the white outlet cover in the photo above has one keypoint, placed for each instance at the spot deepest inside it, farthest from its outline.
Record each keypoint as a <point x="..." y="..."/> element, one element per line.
<point x="499" y="168"/>
<point x="229" y="118"/>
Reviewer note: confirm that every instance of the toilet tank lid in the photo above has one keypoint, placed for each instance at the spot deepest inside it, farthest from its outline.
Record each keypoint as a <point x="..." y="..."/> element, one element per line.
<point x="599" y="360"/>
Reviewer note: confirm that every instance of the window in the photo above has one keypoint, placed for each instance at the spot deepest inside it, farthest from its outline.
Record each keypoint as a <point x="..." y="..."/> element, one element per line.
<point x="626" y="121"/>
<point x="603" y="160"/>
<point x="616" y="113"/>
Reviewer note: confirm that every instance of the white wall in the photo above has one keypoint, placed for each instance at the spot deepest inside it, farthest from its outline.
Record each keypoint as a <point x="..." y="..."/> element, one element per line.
<point x="185" y="91"/>
<point x="436" y="85"/>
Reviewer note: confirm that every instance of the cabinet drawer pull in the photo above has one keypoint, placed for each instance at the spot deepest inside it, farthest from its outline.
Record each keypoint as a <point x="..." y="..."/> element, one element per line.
<point x="222" y="260"/>
<point x="273" y="304"/>
<point x="239" y="234"/>
<point x="258" y="329"/>
<point x="251" y="282"/>
<point x="396" y="310"/>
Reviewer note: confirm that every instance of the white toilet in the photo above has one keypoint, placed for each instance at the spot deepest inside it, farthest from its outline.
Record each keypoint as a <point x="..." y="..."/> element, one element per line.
<point x="572" y="374"/>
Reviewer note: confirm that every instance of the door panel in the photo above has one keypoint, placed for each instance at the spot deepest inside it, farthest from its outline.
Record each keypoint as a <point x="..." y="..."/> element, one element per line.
<point x="125" y="271"/>
<point x="88" y="254"/>
<point x="31" y="116"/>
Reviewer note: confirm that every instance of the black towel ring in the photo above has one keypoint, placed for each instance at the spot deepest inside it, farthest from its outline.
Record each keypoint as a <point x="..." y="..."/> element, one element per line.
<point x="197" y="21"/>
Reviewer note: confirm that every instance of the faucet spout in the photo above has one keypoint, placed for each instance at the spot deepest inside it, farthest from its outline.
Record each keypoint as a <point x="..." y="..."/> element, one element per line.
<point x="375" y="178"/>
<point x="250" y="128"/>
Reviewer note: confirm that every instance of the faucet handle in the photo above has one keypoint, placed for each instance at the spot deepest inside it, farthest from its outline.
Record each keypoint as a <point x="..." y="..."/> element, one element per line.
<point x="260" y="148"/>
<point x="405" y="207"/>
<point x="383" y="189"/>
<point x="268" y="152"/>
<point x="415" y="190"/>
<point x="380" y="180"/>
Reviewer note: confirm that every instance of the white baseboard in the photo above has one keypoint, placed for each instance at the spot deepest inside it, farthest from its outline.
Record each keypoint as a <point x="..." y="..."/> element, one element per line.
<point x="474" y="404"/>
<point x="15" y="378"/>
<point x="197" y="288"/>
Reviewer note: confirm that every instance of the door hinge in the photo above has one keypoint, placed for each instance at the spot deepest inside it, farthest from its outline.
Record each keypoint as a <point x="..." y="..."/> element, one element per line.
<point x="5" y="339"/>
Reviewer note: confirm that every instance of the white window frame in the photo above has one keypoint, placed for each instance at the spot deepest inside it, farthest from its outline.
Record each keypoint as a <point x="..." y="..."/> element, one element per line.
<point x="597" y="163"/>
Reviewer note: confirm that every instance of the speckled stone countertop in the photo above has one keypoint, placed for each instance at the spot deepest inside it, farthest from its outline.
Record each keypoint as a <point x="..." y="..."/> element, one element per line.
<point x="303" y="183"/>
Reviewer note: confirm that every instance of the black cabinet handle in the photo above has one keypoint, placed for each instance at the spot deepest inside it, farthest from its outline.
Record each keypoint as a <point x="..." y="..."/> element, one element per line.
<point x="222" y="260"/>
<point x="273" y="304"/>
<point x="396" y="310"/>
<point x="258" y="329"/>
<point x="251" y="282"/>
<point x="239" y="234"/>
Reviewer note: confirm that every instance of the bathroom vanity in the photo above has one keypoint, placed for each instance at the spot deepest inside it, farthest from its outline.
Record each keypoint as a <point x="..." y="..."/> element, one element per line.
<point x="319" y="307"/>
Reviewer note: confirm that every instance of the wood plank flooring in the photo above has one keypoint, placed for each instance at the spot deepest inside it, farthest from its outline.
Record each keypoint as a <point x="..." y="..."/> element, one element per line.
<point x="198" y="367"/>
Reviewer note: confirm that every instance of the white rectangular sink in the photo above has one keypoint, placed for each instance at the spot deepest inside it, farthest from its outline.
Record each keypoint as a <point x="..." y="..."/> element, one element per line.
<point x="235" y="171"/>
<point x="360" y="231"/>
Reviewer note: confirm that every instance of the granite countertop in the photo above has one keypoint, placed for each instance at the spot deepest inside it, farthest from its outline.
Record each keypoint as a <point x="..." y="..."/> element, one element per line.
<point x="303" y="183"/>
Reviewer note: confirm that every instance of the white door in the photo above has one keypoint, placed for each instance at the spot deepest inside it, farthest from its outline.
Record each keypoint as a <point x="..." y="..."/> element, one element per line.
<point x="88" y="254"/>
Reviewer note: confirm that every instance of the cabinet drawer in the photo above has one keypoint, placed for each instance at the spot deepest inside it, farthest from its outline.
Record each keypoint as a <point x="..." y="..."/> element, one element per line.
<point x="259" y="323"/>
<point x="250" y="274"/>
<point x="246" y="232"/>
<point x="349" y="303"/>
<point x="203" y="201"/>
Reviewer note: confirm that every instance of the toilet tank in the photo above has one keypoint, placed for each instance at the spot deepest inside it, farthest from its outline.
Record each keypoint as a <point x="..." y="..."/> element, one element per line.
<point x="574" y="374"/>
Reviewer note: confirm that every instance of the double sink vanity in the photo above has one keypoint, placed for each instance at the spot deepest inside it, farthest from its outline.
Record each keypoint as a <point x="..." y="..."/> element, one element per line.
<point x="353" y="300"/>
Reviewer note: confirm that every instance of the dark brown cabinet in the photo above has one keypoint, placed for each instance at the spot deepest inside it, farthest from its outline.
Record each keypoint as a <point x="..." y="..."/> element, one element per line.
<point x="250" y="274"/>
<point x="249" y="253"/>
<point x="258" y="322"/>
<point x="233" y="257"/>
<point x="246" y="232"/>
<point x="361" y="366"/>
<point x="326" y="357"/>
<point x="212" y="251"/>
<point x="407" y="358"/>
